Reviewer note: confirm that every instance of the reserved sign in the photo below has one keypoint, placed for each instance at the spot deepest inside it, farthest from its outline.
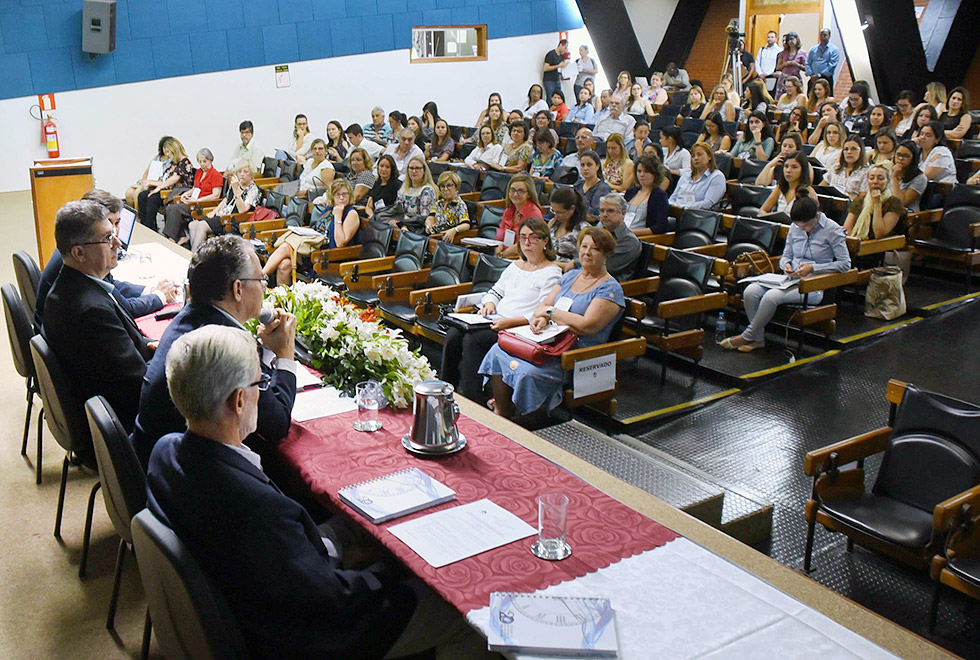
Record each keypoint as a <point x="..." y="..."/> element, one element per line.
<point x="594" y="376"/>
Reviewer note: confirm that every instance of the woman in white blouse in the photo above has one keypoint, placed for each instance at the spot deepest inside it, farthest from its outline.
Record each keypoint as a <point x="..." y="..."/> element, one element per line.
<point x="937" y="160"/>
<point x="676" y="157"/>
<point x="850" y="174"/>
<point x="487" y="150"/>
<point x="510" y="303"/>
<point x="793" y="97"/>
<point x="829" y="149"/>
<point x="534" y="101"/>
<point x="298" y="147"/>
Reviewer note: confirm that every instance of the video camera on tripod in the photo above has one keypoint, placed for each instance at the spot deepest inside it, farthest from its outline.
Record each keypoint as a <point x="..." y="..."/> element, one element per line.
<point x="733" y="61"/>
<point x="734" y="36"/>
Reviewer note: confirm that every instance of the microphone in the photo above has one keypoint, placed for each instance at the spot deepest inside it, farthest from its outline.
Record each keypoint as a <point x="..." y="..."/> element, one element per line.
<point x="266" y="316"/>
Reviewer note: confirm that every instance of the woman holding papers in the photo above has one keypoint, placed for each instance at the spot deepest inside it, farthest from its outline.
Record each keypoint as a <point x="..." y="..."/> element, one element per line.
<point x="487" y="150"/>
<point x="588" y="300"/>
<point x="510" y="302"/>
<point x="815" y="245"/>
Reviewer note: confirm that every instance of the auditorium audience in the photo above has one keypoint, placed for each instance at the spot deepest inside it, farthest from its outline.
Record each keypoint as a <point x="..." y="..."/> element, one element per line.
<point x="815" y="245"/>
<point x="492" y="100"/>
<point x="512" y="299"/>
<point x="639" y="141"/>
<point x="937" y="160"/>
<point x="885" y="143"/>
<point x="748" y="64"/>
<point x="923" y="115"/>
<point x="702" y="186"/>
<point x="558" y="108"/>
<point x="765" y="59"/>
<point x="242" y="196"/>
<point x="359" y="176"/>
<point x="535" y="101"/>
<point x="676" y="79"/>
<point x="583" y="142"/>
<point x="957" y="120"/>
<point x="794" y="175"/>
<point x="206" y="188"/>
<point x="178" y="174"/>
<point x="282" y="576"/>
<point x="246" y="151"/>
<point x="602" y="107"/>
<point x="587" y="70"/>
<point x="856" y="107"/>
<point x="820" y="93"/>
<point x="648" y="206"/>
<point x="728" y="83"/>
<point x="497" y="124"/>
<point x="298" y="146"/>
<point x="336" y="143"/>
<point x="637" y="104"/>
<point x="541" y="123"/>
<point x="675" y="157"/>
<point x="522" y="204"/>
<point x="486" y="150"/>
<point x="226" y="288"/>
<point x="415" y="125"/>
<point x="617" y="168"/>
<point x="876" y="213"/>
<point x="656" y="93"/>
<point x="449" y="214"/>
<point x="100" y="349"/>
<point x="397" y="121"/>
<point x="318" y="172"/>
<point x="788" y="146"/>
<point x="418" y="191"/>
<point x="822" y="59"/>
<point x="756" y="142"/>
<point x="521" y="388"/>
<point x="794" y="122"/>
<point x="755" y="98"/>
<point x="554" y="61"/>
<point x="936" y="96"/>
<point x="133" y="191"/>
<point x="377" y="130"/>
<point x="623" y="83"/>
<point x="849" y="174"/>
<point x="616" y="122"/>
<point x="404" y="150"/>
<point x="386" y="186"/>
<point x="430" y="115"/>
<point x="907" y="180"/>
<point x="879" y="119"/>
<point x="442" y="146"/>
<point x="905" y="109"/>
<point x="792" y="96"/>
<point x="828" y="112"/>
<point x="713" y="134"/>
<point x="584" y="112"/>
<point x="592" y="187"/>
<point x="790" y="62"/>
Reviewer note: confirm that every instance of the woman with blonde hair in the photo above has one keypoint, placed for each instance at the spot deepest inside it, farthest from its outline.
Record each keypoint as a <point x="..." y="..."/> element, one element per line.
<point x="617" y="168"/>
<point x="820" y="92"/>
<point x="360" y="175"/>
<point x="720" y="103"/>
<point x="793" y="96"/>
<point x="656" y="93"/>
<point x="178" y="174"/>
<point x="829" y="148"/>
<point x="449" y="214"/>
<point x="936" y="96"/>
<point x="876" y="213"/>
<point x="623" y="83"/>
<point x="418" y="192"/>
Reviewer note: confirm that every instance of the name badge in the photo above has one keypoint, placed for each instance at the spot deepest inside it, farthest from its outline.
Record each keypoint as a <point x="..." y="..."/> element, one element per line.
<point x="195" y="193"/>
<point x="509" y="237"/>
<point x="378" y="205"/>
<point x="630" y="216"/>
<point x="564" y="303"/>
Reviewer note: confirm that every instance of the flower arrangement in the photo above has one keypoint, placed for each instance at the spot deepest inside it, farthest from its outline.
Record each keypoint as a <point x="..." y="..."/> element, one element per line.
<point x="348" y="345"/>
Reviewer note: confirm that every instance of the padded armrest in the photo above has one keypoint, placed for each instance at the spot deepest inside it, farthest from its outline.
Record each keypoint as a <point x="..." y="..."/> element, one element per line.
<point x="946" y="514"/>
<point x="827" y="281"/>
<point x="691" y="305"/>
<point x="624" y="348"/>
<point x="440" y="294"/>
<point x="407" y="278"/>
<point x="848" y="451"/>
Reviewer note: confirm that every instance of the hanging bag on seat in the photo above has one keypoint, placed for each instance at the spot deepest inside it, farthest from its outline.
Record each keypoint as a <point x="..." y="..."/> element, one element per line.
<point x="885" y="296"/>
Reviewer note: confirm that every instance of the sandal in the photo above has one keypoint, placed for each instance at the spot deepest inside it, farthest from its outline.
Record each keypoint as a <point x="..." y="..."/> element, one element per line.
<point x="728" y="345"/>
<point x="492" y="404"/>
<point x="751" y="346"/>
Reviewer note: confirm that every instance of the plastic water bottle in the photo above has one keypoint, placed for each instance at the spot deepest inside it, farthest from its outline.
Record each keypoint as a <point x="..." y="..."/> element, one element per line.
<point x="720" y="328"/>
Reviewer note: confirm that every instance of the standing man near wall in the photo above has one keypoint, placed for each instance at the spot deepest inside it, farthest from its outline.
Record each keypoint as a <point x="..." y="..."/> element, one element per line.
<point x="822" y="59"/>
<point x="765" y="61"/>
<point x="553" y="61"/>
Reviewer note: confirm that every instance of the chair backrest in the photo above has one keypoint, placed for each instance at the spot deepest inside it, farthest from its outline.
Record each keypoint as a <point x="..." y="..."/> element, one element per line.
<point x="276" y="201"/>
<point x="969" y="149"/>
<point x="487" y="271"/>
<point x="724" y="164"/>
<point x="660" y="121"/>
<point x="494" y="185"/>
<point x="469" y="178"/>
<point x="464" y="150"/>
<point x="960" y="210"/>
<point x="410" y="252"/>
<point x="61" y="408"/>
<point x="642" y="267"/>
<point x="436" y="168"/>
<point x="962" y="195"/>
<point x="19" y="331"/>
<point x="288" y="171"/>
<point x="28" y="277"/>
<point x="375" y="240"/>
<point x="122" y="476"/>
<point x="750" y="234"/>
<point x="692" y="124"/>
<point x="270" y="166"/>
<point x="671" y="109"/>
<point x="683" y="274"/>
<point x="490" y="219"/>
<point x="748" y="199"/>
<point x="696" y="227"/>
<point x="449" y="264"/>
<point x="191" y="619"/>
<point x="750" y="169"/>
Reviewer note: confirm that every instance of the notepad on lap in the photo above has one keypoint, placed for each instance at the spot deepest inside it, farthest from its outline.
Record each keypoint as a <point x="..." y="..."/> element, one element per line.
<point x="396" y="494"/>
<point x="553" y="625"/>
<point x="546" y="336"/>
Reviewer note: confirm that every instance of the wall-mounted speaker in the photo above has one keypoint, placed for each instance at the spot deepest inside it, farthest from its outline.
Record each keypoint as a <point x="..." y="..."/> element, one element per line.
<point x="98" y="26"/>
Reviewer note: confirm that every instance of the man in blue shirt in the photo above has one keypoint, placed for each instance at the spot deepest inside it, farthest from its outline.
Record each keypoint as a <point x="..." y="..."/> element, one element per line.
<point x="822" y="59"/>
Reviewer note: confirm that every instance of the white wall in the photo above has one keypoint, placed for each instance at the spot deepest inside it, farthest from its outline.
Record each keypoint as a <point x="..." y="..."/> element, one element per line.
<point x="650" y="19"/>
<point x="852" y="36"/>
<point x="119" y="125"/>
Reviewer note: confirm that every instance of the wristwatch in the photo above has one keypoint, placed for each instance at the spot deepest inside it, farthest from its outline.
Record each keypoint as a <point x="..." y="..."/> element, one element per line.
<point x="549" y="312"/>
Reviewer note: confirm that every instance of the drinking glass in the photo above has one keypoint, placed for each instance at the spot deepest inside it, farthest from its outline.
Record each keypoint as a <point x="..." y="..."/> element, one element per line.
<point x="552" y="521"/>
<point x="368" y="397"/>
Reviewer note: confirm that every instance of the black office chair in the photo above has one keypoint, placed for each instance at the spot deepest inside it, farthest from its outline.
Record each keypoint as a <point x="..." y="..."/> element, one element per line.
<point x="123" y="480"/>
<point x="747" y="199"/>
<point x="469" y="178"/>
<point x="270" y="166"/>
<point x="696" y="228"/>
<point x="28" y="276"/>
<point x="410" y="254"/>
<point x="69" y="427"/>
<point x="436" y="168"/>
<point x="450" y="264"/>
<point x="190" y="616"/>
<point x="750" y="170"/>
<point x="487" y="271"/>
<point x="19" y="332"/>
<point x="494" y="185"/>
<point x="489" y="222"/>
<point x="954" y="239"/>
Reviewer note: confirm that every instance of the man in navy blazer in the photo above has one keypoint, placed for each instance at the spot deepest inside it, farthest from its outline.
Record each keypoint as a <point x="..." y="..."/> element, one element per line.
<point x="226" y="288"/>
<point x="282" y="581"/>
<point x="99" y="346"/>
<point x="134" y="298"/>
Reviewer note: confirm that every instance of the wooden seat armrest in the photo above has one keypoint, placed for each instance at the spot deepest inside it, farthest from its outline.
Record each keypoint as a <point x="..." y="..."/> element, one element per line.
<point x="848" y="451"/>
<point x="469" y="233"/>
<point x="642" y="233"/>
<point x="947" y="513"/>
<point x="641" y="286"/>
<point x="717" y="250"/>
<point x="365" y="266"/>
<point x="828" y="281"/>
<point x="261" y="225"/>
<point x="407" y="278"/>
<point x="861" y="248"/>
<point x="624" y="348"/>
<point x="397" y="295"/>
<point x="658" y="239"/>
<point x="470" y="196"/>
<point x="323" y="258"/>
<point x="973" y="230"/>
<point x="895" y="391"/>
<point x="692" y="305"/>
<point x="675" y="211"/>
<point x="727" y="220"/>
<point x="499" y="203"/>
<point x="925" y="217"/>
<point x="440" y="294"/>
<point x="261" y="180"/>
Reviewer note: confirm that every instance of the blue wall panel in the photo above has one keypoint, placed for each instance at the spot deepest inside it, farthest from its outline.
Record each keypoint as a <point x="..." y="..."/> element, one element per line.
<point x="40" y="39"/>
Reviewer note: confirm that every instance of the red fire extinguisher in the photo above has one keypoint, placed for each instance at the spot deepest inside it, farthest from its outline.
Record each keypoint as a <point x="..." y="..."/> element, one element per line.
<point x="51" y="138"/>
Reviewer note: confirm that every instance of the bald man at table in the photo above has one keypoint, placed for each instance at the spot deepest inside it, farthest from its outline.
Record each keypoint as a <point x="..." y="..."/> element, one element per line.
<point x="283" y="580"/>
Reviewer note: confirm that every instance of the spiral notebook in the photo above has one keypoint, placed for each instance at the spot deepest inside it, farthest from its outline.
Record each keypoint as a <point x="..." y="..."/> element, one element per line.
<point x="552" y="625"/>
<point x="396" y="494"/>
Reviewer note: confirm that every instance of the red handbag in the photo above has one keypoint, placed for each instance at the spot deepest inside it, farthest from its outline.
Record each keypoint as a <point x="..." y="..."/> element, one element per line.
<point x="532" y="351"/>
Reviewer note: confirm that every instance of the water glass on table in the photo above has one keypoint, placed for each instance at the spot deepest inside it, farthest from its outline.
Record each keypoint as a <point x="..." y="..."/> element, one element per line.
<point x="368" y="397"/>
<point x="552" y="521"/>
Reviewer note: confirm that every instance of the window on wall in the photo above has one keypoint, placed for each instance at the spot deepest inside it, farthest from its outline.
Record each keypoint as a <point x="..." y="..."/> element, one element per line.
<point x="449" y="43"/>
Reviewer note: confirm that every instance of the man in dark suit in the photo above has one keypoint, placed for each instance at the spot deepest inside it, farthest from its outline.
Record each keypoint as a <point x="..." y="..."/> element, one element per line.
<point x="282" y="580"/>
<point x="134" y="298"/>
<point x="226" y="288"/>
<point x="100" y="347"/>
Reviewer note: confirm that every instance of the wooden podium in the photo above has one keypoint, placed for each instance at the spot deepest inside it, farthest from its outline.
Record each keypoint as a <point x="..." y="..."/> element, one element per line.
<point x="53" y="183"/>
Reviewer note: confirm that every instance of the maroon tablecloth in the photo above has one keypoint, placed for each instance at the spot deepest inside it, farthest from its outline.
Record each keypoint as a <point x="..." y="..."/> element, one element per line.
<point x="330" y="454"/>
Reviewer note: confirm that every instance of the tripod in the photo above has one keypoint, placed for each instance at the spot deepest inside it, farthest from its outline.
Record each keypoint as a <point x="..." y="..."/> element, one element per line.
<point x="733" y="64"/>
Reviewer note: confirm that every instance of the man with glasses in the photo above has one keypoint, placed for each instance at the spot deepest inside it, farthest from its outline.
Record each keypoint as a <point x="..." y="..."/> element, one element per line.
<point x="100" y="348"/>
<point x="612" y="216"/>
<point x="226" y="288"/>
<point x="616" y="122"/>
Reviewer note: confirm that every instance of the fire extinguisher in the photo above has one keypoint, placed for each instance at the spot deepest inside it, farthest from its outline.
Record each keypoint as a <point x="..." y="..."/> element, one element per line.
<point x="51" y="138"/>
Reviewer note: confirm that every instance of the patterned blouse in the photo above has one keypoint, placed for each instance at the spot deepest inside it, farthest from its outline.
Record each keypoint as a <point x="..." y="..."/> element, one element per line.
<point x="184" y="169"/>
<point x="449" y="214"/>
<point x="567" y="245"/>
<point x="544" y="167"/>
<point x="250" y="196"/>
<point x="417" y="201"/>
<point x="612" y="172"/>
<point x="514" y="153"/>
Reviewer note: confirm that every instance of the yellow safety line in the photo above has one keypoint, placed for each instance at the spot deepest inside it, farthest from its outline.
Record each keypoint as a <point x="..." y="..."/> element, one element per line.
<point x="784" y="367"/>
<point x="884" y="328"/>
<point x="954" y="300"/>
<point x="680" y="406"/>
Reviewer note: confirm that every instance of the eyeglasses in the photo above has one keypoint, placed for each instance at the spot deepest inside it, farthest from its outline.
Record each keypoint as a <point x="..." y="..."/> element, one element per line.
<point x="108" y="240"/>
<point x="518" y="191"/>
<point x="253" y="279"/>
<point x="447" y="186"/>
<point x="530" y="238"/>
<point x="262" y="383"/>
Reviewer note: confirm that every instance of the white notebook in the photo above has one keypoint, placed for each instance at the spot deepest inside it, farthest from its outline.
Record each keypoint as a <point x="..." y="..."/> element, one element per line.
<point x="553" y="625"/>
<point x="396" y="494"/>
<point x="546" y="336"/>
